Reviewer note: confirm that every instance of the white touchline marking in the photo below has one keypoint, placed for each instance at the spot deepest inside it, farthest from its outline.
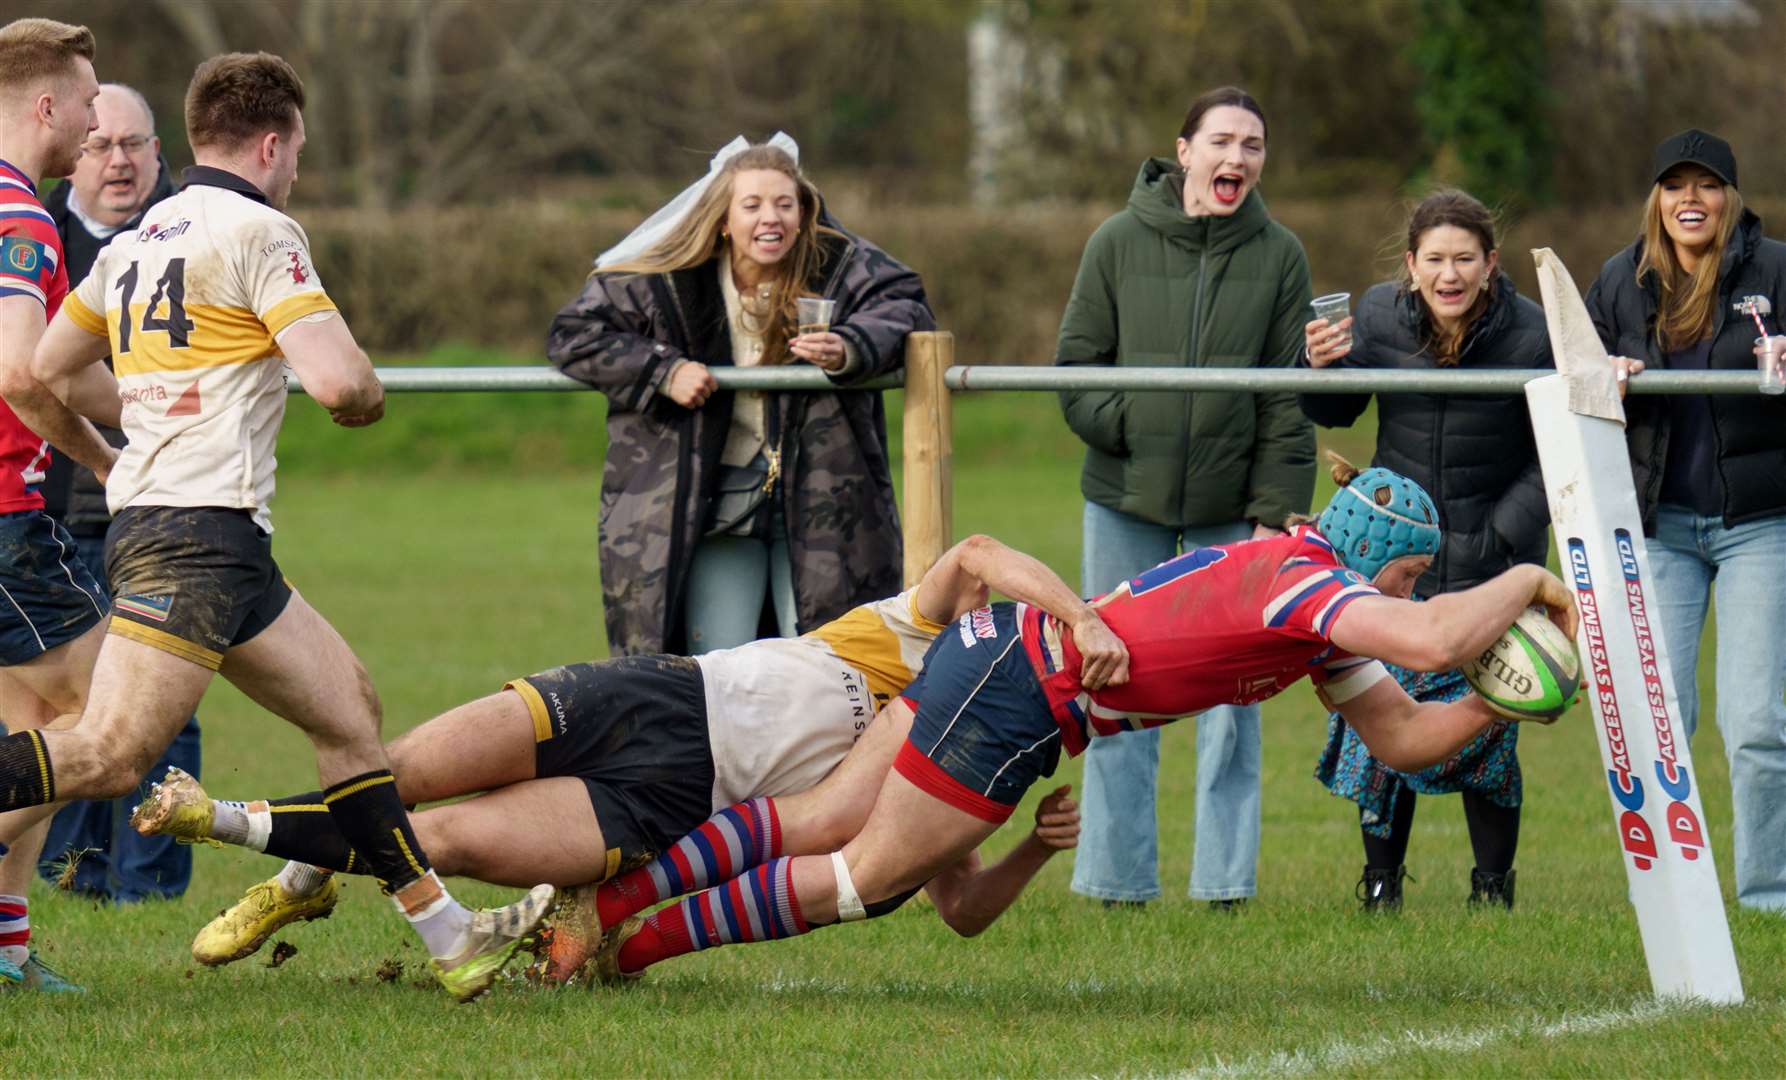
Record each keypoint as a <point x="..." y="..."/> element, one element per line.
<point x="1348" y="1054"/>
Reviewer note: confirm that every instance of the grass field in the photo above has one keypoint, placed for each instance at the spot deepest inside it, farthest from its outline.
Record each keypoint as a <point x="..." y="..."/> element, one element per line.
<point x="450" y="573"/>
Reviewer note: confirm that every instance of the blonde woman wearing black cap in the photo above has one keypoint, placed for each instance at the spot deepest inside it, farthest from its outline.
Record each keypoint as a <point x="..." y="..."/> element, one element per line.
<point x="1710" y="470"/>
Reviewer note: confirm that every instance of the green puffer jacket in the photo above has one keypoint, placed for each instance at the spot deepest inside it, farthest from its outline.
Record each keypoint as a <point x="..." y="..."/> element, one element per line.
<point x="1159" y="289"/>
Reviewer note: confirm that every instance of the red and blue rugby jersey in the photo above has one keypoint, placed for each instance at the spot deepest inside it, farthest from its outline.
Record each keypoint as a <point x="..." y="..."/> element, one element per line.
<point x="30" y="266"/>
<point x="1216" y="626"/>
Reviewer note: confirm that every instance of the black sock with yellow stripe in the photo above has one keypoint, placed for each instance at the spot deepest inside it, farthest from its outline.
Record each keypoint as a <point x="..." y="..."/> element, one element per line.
<point x="25" y="775"/>
<point x="304" y="830"/>
<point x="370" y="817"/>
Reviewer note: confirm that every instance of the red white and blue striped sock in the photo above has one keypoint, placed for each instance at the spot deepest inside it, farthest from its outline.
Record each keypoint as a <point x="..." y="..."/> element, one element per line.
<point x="739" y="838"/>
<point x="759" y="906"/>
<point x="15" y="930"/>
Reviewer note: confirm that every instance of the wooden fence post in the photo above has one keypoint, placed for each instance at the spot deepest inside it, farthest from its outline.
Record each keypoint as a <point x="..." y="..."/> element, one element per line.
<point x="929" y="448"/>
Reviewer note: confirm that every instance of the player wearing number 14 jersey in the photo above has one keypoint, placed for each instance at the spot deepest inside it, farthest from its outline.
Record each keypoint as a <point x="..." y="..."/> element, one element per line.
<point x="200" y="309"/>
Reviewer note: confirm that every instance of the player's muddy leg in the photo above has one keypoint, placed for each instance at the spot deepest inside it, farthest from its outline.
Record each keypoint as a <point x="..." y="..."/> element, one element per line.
<point x="44" y="692"/>
<point x="139" y="700"/>
<point x="520" y="834"/>
<point x="20" y="835"/>
<point x="478" y="746"/>
<point x="295" y="668"/>
<point x="482" y="745"/>
<point x="22" y="832"/>
<point x="537" y="830"/>
<point x="300" y="669"/>
<point x="24" y="840"/>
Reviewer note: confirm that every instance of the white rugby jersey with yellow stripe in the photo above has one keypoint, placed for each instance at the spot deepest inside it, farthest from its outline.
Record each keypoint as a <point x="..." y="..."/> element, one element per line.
<point x="194" y="301"/>
<point x="781" y="713"/>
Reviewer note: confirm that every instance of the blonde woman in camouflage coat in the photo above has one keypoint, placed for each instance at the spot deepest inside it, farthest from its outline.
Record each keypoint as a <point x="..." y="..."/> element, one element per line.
<point x="726" y="516"/>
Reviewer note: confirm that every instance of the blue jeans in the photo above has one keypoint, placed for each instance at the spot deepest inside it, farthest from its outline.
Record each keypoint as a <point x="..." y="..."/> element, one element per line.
<point x="115" y="862"/>
<point x="726" y="584"/>
<point x="1689" y="556"/>
<point x="1118" y="855"/>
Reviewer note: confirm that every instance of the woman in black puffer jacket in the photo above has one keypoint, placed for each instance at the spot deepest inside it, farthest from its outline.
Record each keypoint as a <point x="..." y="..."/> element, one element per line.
<point x="1710" y="471"/>
<point x="1476" y="457"/>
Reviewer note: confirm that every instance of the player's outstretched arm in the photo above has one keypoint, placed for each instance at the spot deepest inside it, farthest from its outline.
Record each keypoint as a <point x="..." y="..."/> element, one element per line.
<point x="1449" y="629"/>
<point x="970" y="897"/>
<point x="961" y="579"/>
<point x="69" y="348"/>
<point x="1408" y="735"/>
<point x="334" y="370"/>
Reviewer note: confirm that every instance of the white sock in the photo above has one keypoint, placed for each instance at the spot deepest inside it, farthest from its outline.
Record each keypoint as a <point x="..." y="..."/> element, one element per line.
<point x="298" y="880"/>
<point x="245" y="823"/>
<point x="436" y="916"/>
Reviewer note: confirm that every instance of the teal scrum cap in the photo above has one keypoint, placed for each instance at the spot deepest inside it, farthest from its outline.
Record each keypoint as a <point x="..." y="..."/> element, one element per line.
<point x="1379" y="517"/>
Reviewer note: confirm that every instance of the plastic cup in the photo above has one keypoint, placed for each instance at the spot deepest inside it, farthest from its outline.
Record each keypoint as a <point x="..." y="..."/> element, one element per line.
<point x="813" y="314"/>
<point x="1768" y="358"/>
<point x="1333" y="307"/>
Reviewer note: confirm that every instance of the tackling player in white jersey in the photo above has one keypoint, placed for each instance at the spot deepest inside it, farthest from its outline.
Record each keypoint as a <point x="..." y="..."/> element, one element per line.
<point x="597" y="768"/>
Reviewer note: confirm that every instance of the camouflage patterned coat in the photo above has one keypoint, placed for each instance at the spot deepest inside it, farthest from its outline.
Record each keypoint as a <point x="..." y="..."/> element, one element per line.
<point x="624" y="333"/>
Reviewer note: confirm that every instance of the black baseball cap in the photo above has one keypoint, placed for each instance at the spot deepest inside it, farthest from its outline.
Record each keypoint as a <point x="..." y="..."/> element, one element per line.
<point x="1699" y="148"/>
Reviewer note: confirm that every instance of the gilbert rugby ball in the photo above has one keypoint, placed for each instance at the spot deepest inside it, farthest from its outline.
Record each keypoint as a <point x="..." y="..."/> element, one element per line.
<point x="1530" y="672"/>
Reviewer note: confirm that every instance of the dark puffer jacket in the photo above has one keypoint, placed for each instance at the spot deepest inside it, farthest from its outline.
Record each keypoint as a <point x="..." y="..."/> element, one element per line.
<point x="624" y="333"/>
<point x="71" y="493"/>
<point x="1157" y="288"/>
<point x="1474" y="455"/>
<point x="1750" y="428"/>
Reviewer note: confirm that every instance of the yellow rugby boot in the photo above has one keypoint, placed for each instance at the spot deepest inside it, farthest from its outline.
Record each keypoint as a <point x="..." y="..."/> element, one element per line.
<point x="262" y="912"/>
<point x="490" y="942"/>
<point x="178" y="807"/>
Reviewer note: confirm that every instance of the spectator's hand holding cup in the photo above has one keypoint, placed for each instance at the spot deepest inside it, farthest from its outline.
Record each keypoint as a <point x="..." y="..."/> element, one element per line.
<point x="815" y="343"/>
<point x="1768" y="360"/>
<point x="1328" y="337"/>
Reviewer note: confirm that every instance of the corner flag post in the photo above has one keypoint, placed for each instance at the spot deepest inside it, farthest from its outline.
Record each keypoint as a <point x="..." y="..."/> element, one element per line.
<point x="1672" y="882"/>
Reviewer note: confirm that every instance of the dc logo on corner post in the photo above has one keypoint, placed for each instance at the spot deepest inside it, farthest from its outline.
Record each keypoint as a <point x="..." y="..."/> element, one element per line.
<point x="1684" y="828"/>
<point x="1635" y="835"/>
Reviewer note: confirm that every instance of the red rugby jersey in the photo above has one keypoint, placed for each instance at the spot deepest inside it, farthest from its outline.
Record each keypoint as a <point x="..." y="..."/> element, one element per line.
<point x="31" y="266"/>
<point x="1216" y="626"/>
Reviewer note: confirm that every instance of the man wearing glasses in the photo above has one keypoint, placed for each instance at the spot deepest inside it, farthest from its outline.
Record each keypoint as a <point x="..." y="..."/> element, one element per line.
<point x="119" y="176"/>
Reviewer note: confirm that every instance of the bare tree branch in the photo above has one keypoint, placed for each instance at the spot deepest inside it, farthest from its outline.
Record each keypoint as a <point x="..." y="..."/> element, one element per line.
<point x="196" y="23"/>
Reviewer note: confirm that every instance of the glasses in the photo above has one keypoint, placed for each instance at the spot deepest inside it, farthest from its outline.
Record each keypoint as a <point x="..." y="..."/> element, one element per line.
<point x="130" y="144"/>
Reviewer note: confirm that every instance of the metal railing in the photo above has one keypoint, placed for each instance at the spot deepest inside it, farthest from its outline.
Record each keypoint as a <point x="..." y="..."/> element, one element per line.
<point x="931" y="378"/>
<point x="1299" y="380"/>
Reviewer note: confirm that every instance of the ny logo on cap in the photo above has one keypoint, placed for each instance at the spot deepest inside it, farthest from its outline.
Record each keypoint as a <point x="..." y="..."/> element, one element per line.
<point x="1692" y="144"/>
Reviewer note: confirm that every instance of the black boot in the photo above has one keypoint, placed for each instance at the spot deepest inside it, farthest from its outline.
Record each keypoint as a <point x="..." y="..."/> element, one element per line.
<point x="1381" y="889"/>
<point x="1487" y="888"/>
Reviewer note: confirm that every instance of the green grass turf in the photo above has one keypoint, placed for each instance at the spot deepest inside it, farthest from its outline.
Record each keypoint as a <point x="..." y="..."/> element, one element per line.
<point x="450" y="574"/>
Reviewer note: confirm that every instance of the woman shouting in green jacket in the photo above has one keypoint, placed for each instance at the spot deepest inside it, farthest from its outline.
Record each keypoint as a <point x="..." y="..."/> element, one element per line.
<point x="1192" y="273"/>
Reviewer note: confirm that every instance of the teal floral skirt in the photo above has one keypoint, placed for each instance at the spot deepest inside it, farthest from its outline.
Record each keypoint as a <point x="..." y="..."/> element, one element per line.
<point x="1488" y="765"/>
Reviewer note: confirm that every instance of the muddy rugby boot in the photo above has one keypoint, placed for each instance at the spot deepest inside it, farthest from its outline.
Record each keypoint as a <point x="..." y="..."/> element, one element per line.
<point x="262" y="912"/>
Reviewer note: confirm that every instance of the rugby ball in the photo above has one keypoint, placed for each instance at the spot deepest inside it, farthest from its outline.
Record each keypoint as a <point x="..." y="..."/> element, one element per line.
<point x="1531" y="672"/>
